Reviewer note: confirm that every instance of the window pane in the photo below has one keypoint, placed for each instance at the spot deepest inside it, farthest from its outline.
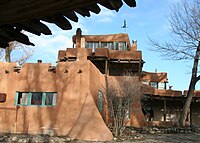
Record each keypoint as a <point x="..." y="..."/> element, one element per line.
<point x="100" y="101"/>
<point x="161" y="85"/>
<point x="36" y="98"/>
<point x="122" y="46"/>
<point x="153" y="84"/>
<point x="54" y="98"/>
<point x="50" y="99"/>
<point x="96" y="45"/>
<point x="108" y="45"/>
<point x="22" y="98"/>
<point x="92" y="45"/>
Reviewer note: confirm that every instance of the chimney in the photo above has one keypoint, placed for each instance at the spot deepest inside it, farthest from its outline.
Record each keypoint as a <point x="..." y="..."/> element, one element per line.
<point x="78" y="38"/>
<point x="134" y="45"/>
<point x="39" y="61"/>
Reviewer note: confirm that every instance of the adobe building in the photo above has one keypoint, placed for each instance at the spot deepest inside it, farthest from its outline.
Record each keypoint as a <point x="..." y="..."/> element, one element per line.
<point x="70" y="98"/>
<point x="162" y="106"/>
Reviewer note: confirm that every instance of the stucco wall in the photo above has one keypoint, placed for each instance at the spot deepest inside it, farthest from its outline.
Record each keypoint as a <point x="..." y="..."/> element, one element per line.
<point x="172" y="110"/>
<point x="196" y="114"/>
<point x="137" y="118"/>
<point x="74" y="101"/>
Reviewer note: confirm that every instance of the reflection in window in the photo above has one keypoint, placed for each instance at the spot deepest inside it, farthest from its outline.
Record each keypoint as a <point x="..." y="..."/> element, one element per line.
<point x="108" y="45"/>
<point x="36" y="98"/>
<point x="154" y="84"/>
<point x="50" y="99"/>
<point x="121" y="46"/>
<point x="100" y="101"/>
<point x="22" y="98"/>
<point x="92" y="45"/>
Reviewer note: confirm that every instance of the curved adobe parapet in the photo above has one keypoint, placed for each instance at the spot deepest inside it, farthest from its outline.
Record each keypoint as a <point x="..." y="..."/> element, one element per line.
<point x="125" y="55"/>
<point x="61" y="55"/>
<point x="73" y="52"/>
<point x="101" y="52"/>
<point x="172" y="93"/>
<point x="196" y="93"/>
<point x="154" y="77"/>
<point x="146" y="89"/>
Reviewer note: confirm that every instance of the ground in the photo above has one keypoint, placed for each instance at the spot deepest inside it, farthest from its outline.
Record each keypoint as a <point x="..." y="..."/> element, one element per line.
<point x="144" y="135"/>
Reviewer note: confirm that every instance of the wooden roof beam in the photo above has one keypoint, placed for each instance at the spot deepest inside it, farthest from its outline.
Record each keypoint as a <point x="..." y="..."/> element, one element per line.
<point x="59" y="20"/>
<point x="70" y="15"/>
<point x="13" y="34"/>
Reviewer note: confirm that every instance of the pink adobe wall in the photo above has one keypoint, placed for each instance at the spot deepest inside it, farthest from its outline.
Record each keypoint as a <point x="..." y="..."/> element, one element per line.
<point x="74" y="101"/>
<point x="137" y="118"/>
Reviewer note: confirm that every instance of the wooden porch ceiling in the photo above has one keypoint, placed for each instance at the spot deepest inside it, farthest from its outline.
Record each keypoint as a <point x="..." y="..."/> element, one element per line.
<point x="18" y="15"/>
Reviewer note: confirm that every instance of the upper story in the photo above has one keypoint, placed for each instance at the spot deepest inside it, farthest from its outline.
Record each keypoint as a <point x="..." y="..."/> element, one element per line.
<point x="154" y="79"/>
<point x="155" y="83"/>
<point x="112" y="54"/>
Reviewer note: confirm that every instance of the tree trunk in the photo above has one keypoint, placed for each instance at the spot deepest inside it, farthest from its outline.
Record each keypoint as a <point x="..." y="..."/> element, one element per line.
<point x="186" y="107"/>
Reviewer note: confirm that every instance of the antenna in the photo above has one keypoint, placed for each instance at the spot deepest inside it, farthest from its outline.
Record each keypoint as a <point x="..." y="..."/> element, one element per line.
<point x="124" y="26"/>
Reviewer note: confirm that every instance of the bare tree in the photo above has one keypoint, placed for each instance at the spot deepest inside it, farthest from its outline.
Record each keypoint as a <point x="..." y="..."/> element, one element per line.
<point x="120" y="96"/>
<point x="185" y="43"/>
<point x="16" y="52"/>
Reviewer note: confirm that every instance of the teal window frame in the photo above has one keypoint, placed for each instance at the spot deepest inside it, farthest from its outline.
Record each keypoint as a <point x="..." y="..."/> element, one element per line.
<point x="29" y="94"/>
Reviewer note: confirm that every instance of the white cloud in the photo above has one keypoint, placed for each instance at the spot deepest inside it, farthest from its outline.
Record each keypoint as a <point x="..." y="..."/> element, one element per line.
<point x="105" y="16"/>
<point x="47" y="46"/>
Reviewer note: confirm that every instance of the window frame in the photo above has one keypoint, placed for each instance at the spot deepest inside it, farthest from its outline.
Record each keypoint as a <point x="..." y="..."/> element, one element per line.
<point x="43" y="104"/>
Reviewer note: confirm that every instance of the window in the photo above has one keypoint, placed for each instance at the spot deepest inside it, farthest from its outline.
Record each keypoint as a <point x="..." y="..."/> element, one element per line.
<point x="100" y="101"/>
<point x="108" y="45"/>
<point x="36" y="98"/>
<point x="121" y="46"/>
<point x="92" y="45"/>
<point x="50" y="99"/>
<point x="154" y="84"/>
<point x="22" y="98"/>
<point x="161" y="85"/>
<point x="3" y="97"/>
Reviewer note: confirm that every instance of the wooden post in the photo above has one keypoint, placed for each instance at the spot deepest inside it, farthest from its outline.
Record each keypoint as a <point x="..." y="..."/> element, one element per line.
<point x="190" y="117"/>
<point x="165" y="109"/>
<point x="107" y="67"/>
<point x="139" y="70"/>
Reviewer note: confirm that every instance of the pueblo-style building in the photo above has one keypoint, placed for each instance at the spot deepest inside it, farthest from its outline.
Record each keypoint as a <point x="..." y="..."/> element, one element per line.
<point x="69" y="98"/>
<point x="163" y="107"/>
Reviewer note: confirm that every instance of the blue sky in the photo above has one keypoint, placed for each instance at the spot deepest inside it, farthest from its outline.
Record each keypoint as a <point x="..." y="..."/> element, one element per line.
<point x="149" y="18"/>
